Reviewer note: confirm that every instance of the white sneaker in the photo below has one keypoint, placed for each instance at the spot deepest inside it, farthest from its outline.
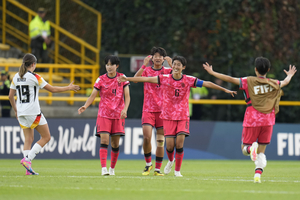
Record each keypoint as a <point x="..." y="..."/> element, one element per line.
<point x="111" y="171"/>
<point x="178" y="174"/>
<point x="168" y="167"/>
<point x="253" y="151"/>
<point x="104" y="171"/>
<point x="257" y="178"/>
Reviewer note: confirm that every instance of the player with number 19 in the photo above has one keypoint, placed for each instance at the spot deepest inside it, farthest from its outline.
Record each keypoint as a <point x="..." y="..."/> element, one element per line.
<point x="27" y="107"/>
<point x="175" y="107"/>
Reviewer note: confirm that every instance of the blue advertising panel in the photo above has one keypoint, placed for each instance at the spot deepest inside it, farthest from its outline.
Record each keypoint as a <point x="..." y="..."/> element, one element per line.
<point x="74" y="139"/>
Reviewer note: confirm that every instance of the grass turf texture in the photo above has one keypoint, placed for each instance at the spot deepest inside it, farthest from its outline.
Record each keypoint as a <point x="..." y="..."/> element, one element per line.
<point x="202" y="179"/>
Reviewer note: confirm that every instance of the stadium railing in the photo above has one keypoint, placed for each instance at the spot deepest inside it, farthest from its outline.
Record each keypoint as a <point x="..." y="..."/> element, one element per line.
<point x="67" y="73"/>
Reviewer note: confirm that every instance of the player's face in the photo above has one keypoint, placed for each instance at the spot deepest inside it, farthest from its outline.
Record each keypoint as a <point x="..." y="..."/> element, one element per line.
<point x="110" y="68"/>
<point x="157" y="59"/>
<point x="177" y="67"/>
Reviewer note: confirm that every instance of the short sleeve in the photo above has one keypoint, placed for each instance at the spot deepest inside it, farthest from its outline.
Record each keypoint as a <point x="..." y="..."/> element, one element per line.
<point x="41" y="81"/>
<point x="192" y="81"/>
<point x="126" y="82"/>
<point x="97" y="84"/>
<point x="243" y="83"/>
<point x="12" y="85"/>
<point x="162" y="79"/>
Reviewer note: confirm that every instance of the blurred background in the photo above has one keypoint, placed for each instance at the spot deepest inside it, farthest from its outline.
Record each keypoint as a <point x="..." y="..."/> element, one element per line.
<point x="228" y="34"/>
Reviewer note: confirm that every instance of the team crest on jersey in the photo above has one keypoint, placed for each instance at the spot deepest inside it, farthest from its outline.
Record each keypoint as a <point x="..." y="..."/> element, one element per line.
<point x="182" y="85"/>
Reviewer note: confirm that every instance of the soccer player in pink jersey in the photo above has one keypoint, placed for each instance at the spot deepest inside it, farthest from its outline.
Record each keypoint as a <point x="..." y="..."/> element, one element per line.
<point x="175" y="107"/>
<point x="152" y="108"/>
<point x="115" y="99"/>
<point x="262" y="96"/>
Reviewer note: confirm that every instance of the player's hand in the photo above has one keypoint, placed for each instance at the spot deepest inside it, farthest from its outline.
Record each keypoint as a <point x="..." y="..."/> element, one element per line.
<point x="231" y="92"/>
<point x="147" y="59"/>
<point x="208" y="68"/>
<point x="122" y="79"/>
<point x="169" y="60"/>
<point x="292" y="71"/>
<point x="124" y="114"/>
<point x="75" y="88"/>
<point x="81" y="109"/>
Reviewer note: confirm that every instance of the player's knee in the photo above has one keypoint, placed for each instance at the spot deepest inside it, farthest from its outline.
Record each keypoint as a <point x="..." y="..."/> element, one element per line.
<point x="261" y="161"/>
<point x="160" y="140"/>
<point x="245" y="151"/>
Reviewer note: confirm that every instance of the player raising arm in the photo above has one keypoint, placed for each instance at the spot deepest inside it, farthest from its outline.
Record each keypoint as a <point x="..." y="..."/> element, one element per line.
<point x="175" y="107"/>
<point x="27" y="109"/>
<point x="262" y="96"/>
<point x="112" y="112"/>
<point x="152" y="108"/>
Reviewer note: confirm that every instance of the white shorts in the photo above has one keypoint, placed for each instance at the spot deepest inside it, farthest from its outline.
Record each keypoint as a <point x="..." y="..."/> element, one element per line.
<point x="31" y="121"/>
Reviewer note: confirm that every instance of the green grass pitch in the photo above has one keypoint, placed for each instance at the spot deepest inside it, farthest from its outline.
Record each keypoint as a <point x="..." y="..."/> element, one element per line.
<point x="202" y="179"/>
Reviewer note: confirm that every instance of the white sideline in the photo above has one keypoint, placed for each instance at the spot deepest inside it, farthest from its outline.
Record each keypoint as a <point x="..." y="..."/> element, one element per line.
<point x="149" y="189"/>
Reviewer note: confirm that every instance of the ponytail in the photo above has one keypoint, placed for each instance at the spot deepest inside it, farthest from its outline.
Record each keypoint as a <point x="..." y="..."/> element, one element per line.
<point x="28" y="60"/>
<point x="22" y="70"/>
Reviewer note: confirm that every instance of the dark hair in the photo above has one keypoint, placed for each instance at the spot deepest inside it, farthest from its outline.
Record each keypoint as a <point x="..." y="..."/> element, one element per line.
<point x="180" y="59"/>
<point x="114" y="60"/>
<point x="262" y="65"/>
<point x="28" y="60"/>
<point x="159" y="50"/>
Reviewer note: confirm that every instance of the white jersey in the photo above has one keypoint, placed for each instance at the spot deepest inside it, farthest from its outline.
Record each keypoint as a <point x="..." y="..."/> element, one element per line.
<point x="28" y="93"/>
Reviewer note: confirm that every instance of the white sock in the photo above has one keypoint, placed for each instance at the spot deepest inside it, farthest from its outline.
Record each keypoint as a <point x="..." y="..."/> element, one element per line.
<point x="257" y="175"/>
<point x="149" y="164"/>
<point x="32" y="153"/>
<point x="25" y="153"/>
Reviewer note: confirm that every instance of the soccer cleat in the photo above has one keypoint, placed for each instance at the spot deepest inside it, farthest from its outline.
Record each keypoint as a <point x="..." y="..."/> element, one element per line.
<point x="178" y="174"/>
<point x="257" y="179"/>
<point x="27" y="172"/>
<point x="27" y="165"/>
<point x="104" y="172"/>
<point x="168" y="167"/>
<point x="147" y="170"/>
<point x="253" y="151"/>
<point x="111" y="171"/>
<point x="158" y="173"/>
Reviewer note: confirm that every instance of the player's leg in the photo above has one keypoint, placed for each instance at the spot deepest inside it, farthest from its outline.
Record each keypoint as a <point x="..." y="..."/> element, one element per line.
<point x="170" y="134"/>
<point x="249" y="144"/>
<point x="114" y="153"/>
<point x="104" y="141"/>
<point x="40" y="124"/>
<point x="147" y="134"/>
<point x="160" y="141"/>
<point x="179" y="153"/>
<point x="104" y="126"/>
<point x="29" y="137"/>
<point x="264" y="139"/>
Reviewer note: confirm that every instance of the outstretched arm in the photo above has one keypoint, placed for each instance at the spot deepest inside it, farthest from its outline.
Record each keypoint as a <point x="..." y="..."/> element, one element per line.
<point x="138" y="79"/>
<point x="88" y="102"/>
<point x="289" y="75"/>
<point x="209" y="84"/>
<point x="55" y="89"/>
<point x="223" y="77"/>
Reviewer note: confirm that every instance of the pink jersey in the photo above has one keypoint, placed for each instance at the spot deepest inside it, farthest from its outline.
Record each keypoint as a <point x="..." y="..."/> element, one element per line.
<point x="112" y="96"/>
<point x="176" y="96"/>
<point x="254" y="118"/>
<point x="153" y="92"/>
